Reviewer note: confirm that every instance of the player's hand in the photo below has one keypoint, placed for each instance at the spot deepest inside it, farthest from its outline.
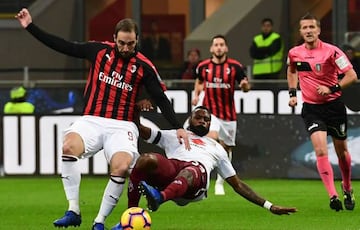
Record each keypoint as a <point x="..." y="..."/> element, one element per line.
<point x="278" y="210"/>
<point x="244" y="85"/>
<point x="24" y="17"/>
<point x="182" y="136"/>
<point x="144" y="105"/>
<point x="293" y="101"/>
<point x="195" y="100"/>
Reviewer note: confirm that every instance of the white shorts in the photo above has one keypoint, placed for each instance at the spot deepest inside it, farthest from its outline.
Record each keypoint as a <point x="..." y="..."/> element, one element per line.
<point x="225" y="129"/>
<point x="105" y="133"/>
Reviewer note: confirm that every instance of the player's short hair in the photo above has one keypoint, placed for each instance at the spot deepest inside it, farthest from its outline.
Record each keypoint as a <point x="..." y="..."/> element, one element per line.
<point x="127" y="25"/>
<point x="309" y="16"/>
<point x="219" y="36"/>
<point x="200" y="107"/>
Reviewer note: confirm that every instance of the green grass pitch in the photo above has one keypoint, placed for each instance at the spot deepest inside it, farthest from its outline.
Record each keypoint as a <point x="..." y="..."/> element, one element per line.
<point x="33" y="203"/>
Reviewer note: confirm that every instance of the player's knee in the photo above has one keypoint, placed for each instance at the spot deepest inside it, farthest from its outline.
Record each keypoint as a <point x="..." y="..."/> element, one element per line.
<point x="73" y="145"/>
<point x="187" y="174"/>
<point x="119" y="164"/>
<point x="147" y="162"/>
<point x="68" y="149"/>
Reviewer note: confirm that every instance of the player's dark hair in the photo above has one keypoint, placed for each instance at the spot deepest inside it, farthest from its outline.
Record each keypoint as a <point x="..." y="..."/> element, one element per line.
<point x="219" y="36"/>
<point x="309" y="16"/>
<point x="200" y="107"/>
<point x="127" y="25"/>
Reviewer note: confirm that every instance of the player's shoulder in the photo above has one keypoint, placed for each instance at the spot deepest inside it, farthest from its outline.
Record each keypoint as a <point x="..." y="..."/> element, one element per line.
<point x="106" y="43"/>
<point x="204" y="62"/>
<point x="98" y="45"/>
<point x="233" y="61"/>
<point x="145" y="62"/>
<point x="142" y="58"/>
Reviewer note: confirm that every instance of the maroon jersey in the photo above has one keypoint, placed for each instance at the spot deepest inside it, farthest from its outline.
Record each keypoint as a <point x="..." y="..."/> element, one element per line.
<point x="219" y="86"/>
<point x="114" y="82"/>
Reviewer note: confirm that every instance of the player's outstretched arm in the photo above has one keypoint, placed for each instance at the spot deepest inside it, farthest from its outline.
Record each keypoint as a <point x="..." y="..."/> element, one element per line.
<point x="245" y="191"/>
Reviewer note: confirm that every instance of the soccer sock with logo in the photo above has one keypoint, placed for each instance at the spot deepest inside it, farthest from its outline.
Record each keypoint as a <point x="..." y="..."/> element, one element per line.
<point x="71" y="178"/>
<point x="326" y="173"/>
<point x="111" y="196"/>
<point x="345" y="168"/>
<point x="176" y="189"/>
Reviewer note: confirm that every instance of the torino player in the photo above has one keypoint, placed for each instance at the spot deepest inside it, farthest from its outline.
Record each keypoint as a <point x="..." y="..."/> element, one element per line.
<point x="183" y="176"/>
<point x="316" y="65"/>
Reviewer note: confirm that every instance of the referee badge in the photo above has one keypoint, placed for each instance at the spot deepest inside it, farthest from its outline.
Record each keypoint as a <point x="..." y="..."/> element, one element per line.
<point x="318" y="67"/>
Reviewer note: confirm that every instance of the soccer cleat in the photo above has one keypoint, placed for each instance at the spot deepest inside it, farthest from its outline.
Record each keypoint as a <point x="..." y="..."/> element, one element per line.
<point x="335" y="203"/>
<point x="219" y="189"/>
<point x="98" y="226"/>
<point x="117" y="227"/>
<point x="69" y="219"/>
<point x="349" y="198"/>
<point x="152" y="195"/>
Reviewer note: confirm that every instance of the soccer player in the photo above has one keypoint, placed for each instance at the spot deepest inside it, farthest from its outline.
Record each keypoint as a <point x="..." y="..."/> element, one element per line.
<point x="316" y="65"/>
<point x="117" y="73"/>
<point x="184" y="176"/>
<point x="217" y="77"/>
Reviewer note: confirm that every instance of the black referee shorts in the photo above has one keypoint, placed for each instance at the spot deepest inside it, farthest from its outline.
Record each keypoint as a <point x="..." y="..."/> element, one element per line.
<point x="330" y="117"/>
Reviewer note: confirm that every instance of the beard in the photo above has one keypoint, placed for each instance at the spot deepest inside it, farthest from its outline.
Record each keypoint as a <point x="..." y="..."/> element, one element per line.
<point x="126" y="55"/>
<point x="219" y="56"/>
<point x="199" y="130"/>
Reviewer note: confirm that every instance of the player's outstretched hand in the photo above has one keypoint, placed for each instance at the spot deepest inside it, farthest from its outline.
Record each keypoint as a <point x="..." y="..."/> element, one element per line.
<point x="24" y="17"/>
<point x="278" y="210"/>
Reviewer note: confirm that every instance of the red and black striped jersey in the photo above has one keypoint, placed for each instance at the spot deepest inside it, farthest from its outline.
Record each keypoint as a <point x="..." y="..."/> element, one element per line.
<point x="114" y="83"/>
<point x="219" y="86"/>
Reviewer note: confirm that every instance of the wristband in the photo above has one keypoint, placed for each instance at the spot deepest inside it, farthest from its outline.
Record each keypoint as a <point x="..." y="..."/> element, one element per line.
<point x="267" y="205"/>
<point x="292" y="92"/>
<point x="335" y="88"/>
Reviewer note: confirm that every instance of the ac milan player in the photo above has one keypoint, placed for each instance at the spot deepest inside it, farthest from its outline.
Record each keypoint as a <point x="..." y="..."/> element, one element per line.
<point x="217" y="77"/>
<point x="183" y="176"/>
<point x="316" y="65"/>
<point x="116" y="75"/>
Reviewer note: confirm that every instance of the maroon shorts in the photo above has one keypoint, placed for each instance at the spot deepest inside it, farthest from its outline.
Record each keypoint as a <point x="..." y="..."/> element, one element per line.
<point x="168" y="169"/>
